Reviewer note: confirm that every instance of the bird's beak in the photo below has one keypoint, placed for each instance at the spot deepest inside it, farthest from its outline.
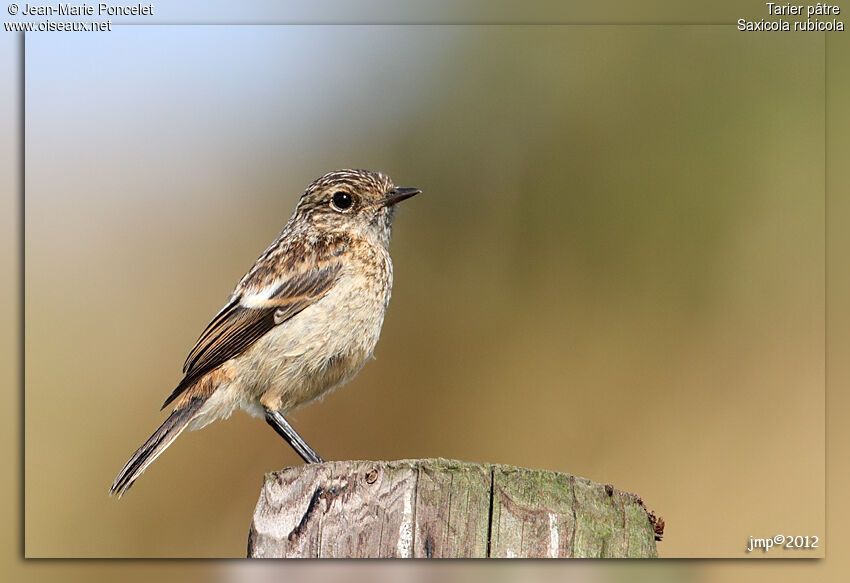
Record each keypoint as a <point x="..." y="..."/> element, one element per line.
<point x="397" y="195"/>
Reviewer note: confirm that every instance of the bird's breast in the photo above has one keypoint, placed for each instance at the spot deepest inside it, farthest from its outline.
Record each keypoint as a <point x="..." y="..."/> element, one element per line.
<point x="325" y="344"/>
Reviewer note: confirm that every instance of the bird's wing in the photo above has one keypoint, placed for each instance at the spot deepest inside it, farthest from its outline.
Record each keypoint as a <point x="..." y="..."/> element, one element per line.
<point x="249" y="316"/>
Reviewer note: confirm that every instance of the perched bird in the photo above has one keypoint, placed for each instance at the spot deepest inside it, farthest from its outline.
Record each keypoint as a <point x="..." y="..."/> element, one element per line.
<point x="302" y="321"/>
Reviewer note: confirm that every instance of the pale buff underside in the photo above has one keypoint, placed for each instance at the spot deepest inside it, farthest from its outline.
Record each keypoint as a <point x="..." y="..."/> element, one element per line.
<point x="314" y="352"/>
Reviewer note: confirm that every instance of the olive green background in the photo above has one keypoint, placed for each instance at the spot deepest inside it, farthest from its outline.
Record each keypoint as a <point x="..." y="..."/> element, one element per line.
<point x="617" y="268"/>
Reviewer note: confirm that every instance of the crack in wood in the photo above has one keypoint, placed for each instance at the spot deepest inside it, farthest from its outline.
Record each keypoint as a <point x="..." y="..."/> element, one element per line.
<point x="320" y="493"/>
<point x="625" y="521"/>
<point x="490" y="511"/>
<point x="314" y="499"/>
<point x="575" y="517"/>
<point x="415" y="507"/>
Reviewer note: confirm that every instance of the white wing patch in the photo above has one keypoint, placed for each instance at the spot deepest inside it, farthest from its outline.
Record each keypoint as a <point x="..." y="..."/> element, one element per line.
<point x="259" y="298"/>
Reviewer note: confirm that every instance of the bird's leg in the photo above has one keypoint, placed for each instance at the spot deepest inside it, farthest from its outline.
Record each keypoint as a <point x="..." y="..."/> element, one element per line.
<point x="285" y="430"/>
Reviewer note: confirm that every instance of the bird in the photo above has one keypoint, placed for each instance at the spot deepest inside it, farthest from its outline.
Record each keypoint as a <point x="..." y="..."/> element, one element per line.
<point x="301" y="322"/>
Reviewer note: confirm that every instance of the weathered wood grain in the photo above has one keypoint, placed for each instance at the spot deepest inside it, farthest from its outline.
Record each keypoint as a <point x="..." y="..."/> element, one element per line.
<point x="444" y="508"/>
<point x="534" y="513"/>
<point x="336" y="509"/>
<point x="452" y="510"/>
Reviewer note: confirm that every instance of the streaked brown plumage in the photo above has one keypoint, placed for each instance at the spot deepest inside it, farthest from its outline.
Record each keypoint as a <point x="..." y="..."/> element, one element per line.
<point x="303" y="320"/>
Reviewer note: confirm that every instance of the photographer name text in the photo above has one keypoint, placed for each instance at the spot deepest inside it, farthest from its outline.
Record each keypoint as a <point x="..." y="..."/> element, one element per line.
<point x="100" y="9"/>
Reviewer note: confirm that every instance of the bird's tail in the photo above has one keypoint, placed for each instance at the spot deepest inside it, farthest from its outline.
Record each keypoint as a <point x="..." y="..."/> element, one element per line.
<point x="156" y="444"/>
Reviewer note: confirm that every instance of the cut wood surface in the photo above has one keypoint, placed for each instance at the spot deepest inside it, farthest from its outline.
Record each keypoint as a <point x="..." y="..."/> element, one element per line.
<point x="445" y="508"/>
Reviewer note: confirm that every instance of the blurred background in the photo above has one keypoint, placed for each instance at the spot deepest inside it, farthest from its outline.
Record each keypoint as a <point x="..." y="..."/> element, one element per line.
<point x="616" y="269"/>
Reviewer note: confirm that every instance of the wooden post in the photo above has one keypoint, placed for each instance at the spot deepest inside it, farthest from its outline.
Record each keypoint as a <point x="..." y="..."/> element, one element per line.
<point x="445" y="508"/>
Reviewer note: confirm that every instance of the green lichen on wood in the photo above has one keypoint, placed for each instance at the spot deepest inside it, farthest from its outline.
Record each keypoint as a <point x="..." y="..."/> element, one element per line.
<point x="533" y="513"/>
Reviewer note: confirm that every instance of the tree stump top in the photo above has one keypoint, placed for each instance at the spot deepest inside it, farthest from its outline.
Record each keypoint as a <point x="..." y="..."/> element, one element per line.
<point x="445" y="508"/>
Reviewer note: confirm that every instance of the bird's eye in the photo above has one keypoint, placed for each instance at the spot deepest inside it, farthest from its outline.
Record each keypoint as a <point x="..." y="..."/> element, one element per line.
<point x="341" y="201"/>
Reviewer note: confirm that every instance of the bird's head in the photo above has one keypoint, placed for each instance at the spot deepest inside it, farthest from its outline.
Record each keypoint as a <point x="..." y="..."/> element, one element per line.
<point x="355" y="201"/>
